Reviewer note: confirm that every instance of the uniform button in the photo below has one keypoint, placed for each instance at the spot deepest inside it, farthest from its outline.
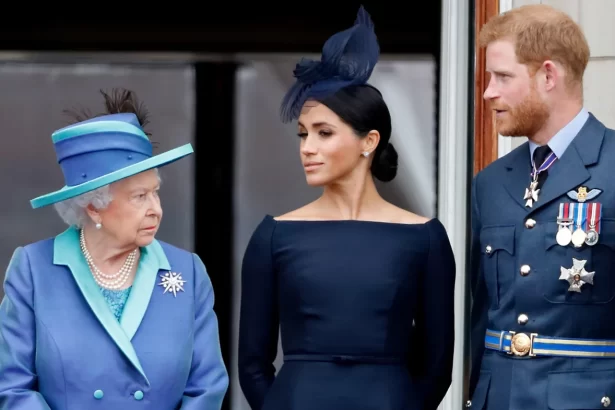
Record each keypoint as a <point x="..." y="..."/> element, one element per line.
<point x="469" y="403"/>
<point x="488" y="249"/>
<point x="530" y="223"/>
<point x="138" y="395"/>
<point x="606" y="401"/>
<point x="525" y="270"/>
<point x="98" y="394"/>
<point x="522" y="319"/>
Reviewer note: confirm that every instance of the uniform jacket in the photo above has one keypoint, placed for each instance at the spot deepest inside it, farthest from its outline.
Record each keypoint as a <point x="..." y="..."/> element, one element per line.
<point x="516" y="266"/>
<point x="61" y="348"/>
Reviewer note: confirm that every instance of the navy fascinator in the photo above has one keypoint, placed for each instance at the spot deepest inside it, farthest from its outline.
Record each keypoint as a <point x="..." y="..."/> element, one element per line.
<point x="348" y="58"/>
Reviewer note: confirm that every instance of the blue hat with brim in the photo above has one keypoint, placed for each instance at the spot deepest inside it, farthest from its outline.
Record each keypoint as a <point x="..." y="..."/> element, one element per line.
<point x="103" y="150"/>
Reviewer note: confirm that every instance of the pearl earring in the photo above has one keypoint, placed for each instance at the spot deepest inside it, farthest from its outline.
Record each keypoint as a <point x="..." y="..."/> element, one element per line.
<point x="98" y="225"/>
<point x="365" y="154"/>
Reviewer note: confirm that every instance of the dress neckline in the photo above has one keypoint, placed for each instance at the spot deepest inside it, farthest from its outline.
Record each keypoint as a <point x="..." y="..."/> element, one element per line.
<point x="347" y="221"/>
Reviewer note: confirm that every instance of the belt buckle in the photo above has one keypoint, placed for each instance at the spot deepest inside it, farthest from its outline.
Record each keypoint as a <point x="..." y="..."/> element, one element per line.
<point x="522" y="344"/>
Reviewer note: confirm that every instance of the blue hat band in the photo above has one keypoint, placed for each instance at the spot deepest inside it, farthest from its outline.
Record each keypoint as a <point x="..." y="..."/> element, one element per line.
<point x="93" y="155"/>
<point x="83" y="168"/>
<point x="101" y="141"/>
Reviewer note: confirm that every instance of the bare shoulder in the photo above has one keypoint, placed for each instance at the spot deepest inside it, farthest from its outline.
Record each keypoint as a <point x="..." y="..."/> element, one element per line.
<point x="305" y="213"/>
<point x="389" y="213"/>
<point x="402" y="216"/>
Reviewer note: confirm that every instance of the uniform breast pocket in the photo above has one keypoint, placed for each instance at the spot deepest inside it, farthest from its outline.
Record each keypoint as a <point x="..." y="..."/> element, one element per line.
<point x="498" y="260"/>
<point x="599" y="259"/>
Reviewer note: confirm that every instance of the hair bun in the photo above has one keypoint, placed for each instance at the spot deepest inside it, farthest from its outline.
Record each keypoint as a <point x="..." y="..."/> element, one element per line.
<point x="384" y="167"/>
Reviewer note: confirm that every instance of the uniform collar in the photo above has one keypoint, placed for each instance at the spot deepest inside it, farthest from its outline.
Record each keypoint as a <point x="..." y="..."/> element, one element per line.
<point x="560" y="141"/>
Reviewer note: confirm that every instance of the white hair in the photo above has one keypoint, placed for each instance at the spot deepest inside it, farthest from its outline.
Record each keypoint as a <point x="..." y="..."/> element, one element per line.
<point x="73" y="210"/>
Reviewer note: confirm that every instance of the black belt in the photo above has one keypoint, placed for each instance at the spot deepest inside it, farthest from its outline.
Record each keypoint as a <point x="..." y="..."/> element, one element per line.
<point x="343" y="359"/>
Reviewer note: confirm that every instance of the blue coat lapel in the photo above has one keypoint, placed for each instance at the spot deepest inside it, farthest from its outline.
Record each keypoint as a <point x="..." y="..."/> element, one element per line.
<point x="67" y="252"/>
<point x="567" y="173"/>
<point x="152" y="260"/>
<point x="518" y="175"/>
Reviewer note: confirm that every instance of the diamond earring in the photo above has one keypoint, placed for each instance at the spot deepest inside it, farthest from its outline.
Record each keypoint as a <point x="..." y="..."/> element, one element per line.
<point x="98" y="225"/>
<point x="365" y="154"/>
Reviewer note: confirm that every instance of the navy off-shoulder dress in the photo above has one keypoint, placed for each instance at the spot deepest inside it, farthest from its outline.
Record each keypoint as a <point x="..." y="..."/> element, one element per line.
<point x="365" y="311"/>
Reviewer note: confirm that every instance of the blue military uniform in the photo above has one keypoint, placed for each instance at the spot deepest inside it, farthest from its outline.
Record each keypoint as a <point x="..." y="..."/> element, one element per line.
<point x="542" y="276"/>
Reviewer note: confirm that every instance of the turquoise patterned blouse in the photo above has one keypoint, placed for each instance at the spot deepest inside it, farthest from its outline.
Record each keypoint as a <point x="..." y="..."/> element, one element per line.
<point x="116" y="300"/>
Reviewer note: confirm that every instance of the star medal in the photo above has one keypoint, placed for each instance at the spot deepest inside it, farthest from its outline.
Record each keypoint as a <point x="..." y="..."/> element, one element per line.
<point x="579" y="235"/>
<point x="593" y="221"/>
<point x="172" y="283"/>
<point x="564" y="221"/>
<point x="576" y="276"/>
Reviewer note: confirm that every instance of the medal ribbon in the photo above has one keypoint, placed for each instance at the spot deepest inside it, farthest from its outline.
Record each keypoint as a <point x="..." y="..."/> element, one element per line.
<point x="545" y="165"/>
<point x="566" y="211"/>
<point x="593" y="217"/>
<point x="581" y="217"/>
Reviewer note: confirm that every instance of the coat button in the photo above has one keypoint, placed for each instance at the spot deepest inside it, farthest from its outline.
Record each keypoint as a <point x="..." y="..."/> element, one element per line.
<point x="468" y="403"/>
<point x="98" y="394"/>
<point x="606" y="401"/>
<point x="522" y="319"/>
<point x="530" y="223"/>
<point x="525" y="270"/>
<point x="138" y="395"/>
<point x="488" y="249"/>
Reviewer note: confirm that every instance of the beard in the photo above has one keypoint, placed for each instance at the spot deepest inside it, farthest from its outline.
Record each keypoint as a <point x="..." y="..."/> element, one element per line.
<point x="523" y="120"/>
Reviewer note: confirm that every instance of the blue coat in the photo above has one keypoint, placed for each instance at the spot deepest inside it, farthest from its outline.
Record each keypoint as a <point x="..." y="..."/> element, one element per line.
<point x="535" y="343"/>
<point x="61" y="348"/>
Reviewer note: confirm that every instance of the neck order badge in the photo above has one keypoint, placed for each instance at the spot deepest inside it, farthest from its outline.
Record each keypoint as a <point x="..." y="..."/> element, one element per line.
<point x="531" y="193"/>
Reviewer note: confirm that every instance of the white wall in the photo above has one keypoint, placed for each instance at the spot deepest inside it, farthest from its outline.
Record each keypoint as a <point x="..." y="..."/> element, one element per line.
<point x="596" y="17"/>
<point x="268" y="174"/>
<point x="453" y="168"/>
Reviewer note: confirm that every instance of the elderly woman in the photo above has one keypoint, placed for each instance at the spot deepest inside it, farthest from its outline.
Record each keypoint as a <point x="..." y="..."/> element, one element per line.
<point x="104" y="315"/>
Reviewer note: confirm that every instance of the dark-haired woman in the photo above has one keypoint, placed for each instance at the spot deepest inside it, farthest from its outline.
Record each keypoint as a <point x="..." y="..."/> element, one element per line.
<point x="363" y="290"/>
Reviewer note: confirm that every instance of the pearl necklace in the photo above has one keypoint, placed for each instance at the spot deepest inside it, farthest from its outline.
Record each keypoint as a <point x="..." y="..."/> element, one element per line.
<point x="115" y="281"/>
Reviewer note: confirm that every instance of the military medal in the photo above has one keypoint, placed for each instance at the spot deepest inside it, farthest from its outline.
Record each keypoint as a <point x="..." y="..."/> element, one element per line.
<point x="564" y="221"/>
<point x="578" y="238"/>
<point x="576" y="276"/>
<point x="531" y="193"/>
<point x="592" y="238"/>
<point x="579" y="235"/>
<point x="564" y="236"/>
<point x="593" y="222"/>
